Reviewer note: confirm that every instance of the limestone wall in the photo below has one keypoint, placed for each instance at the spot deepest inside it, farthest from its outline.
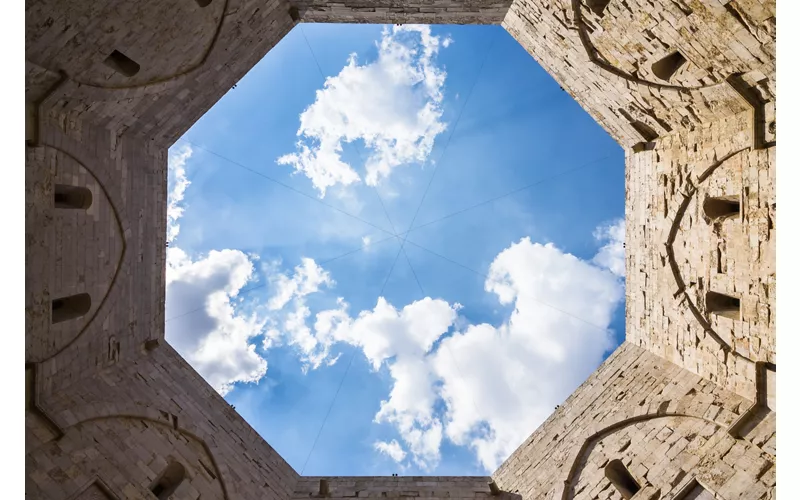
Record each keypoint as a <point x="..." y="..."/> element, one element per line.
<point x="114" y="250"/>
<point x="605" y="60"/>
<point x="682" y="254"/>
<point x="667" y="426"/>
<point x="184" y="53"/>
<point x="423" y="487"/>
<point x="127" y="422"/>
<point x="404" y="12"/>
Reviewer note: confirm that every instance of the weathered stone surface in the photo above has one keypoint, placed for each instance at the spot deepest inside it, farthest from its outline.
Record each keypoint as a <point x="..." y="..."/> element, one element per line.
<point x="686" y="404"/>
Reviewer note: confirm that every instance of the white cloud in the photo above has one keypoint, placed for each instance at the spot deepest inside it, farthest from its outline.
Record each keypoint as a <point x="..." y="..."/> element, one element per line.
<point x="612" y="254"/>
<point x="394" y="104"/>
<point x="495" y="383"/>
<point x="483" y="386"/>
<point x="308" y="278"/>
<point x="501" y="382"/>
<point x="177" y="178"/>
<point x="391" y="449"/>
<point x="217" y="339"/>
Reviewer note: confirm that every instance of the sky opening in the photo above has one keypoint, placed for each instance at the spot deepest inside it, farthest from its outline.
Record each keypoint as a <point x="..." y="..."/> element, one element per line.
<point x="395" y="249"/>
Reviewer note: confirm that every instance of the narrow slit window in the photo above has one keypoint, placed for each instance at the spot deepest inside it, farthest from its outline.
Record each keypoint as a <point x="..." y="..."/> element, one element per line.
<point x="666" y="68"/>
<point x="623" y="481"/>
<point x="721" y="208"/>
<point x="72" y="197"/>
<point x="723" y="305"/>
<point x="121" y="63"/>
<point x="203" y="3"/>
<point x="644" y="146"/>
<point x="598" y="6"/>
<point x="644" y="130"/>
<point x="72" y="307"/>
<point x="168" y="481"/>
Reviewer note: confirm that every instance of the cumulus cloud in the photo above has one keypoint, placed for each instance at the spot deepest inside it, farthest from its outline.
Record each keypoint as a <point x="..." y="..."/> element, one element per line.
<point x="483" y="386"/>
<point x="391" y="449"/>
<point x="217" y="339"/>
<point x="612" y="254"/>
<point x="179" y="182"/>
<point x="394" y="104"/>
<point x="501" y="382"/>
<point x="479" y="385"/>
<point x="308" y="278"/>
<point x="400" y="339"/>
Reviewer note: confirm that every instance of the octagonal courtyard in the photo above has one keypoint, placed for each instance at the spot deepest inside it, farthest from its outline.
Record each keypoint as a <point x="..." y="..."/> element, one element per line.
<point x="160" y="277"/>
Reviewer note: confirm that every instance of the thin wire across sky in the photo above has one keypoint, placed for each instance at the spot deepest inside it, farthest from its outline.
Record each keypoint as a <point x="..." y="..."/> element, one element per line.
<point x="392" y="233"/>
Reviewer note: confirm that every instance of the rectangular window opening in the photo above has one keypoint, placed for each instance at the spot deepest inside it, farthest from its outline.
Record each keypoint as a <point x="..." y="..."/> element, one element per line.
<point x="722" y="207"/>
<point x="72" y="307"/>
<point x="666" y="67"/>
<point x="621" y="478"/>
<point x="723" y="305"/>
<point x="121" y="63"/>
<point x="72" y="197"/>
<point x="598" y="6"/>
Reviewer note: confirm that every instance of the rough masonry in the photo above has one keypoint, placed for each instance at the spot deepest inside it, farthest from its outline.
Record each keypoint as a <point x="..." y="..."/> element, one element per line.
<point x="684" y="409"/>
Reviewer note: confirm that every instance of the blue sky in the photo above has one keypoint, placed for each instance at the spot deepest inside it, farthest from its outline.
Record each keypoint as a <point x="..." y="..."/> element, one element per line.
<point x="291" y="263"/>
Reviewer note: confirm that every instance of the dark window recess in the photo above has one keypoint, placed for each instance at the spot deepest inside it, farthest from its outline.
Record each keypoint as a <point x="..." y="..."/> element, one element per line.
<point x="644" y="130"/>
<point x="644" y="146"/>
<point x="168" y="481"/>
<point x="721" y="208"/>
<point x="294" y="13"/>
<point x="618" y="474"/>
<point x="121" y="63"/>
<point x="72" y="307"/>
<point x="203" y="3"/>
<point x="72" y="197"/>
<point x="668" y="66"/>
<point x="723" y="305"/>
<point x="598" y="6"/>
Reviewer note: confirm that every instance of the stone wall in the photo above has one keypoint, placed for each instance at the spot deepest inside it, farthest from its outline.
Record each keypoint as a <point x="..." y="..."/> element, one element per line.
<point x="423" y="487"/>
<point x="128" y="421"/>
<point x="683" y="254"/>
<point x="684" y="409"/>
<point x="184" y="53"/>
<point x="667" y="426"/>
<point x="403" y="12"/>
<point x="605" y="60"/>
<point x="114" y="250"/>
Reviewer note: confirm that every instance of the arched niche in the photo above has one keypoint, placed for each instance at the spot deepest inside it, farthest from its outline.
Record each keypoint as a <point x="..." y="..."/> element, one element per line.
<point x="614" y="456"/>
<point x="66" y="291"/>
<point x="180" y="36"/>
<point x="706" y="224"/>
<point x="158" y="469"/>
<point x="169" y="480"/>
